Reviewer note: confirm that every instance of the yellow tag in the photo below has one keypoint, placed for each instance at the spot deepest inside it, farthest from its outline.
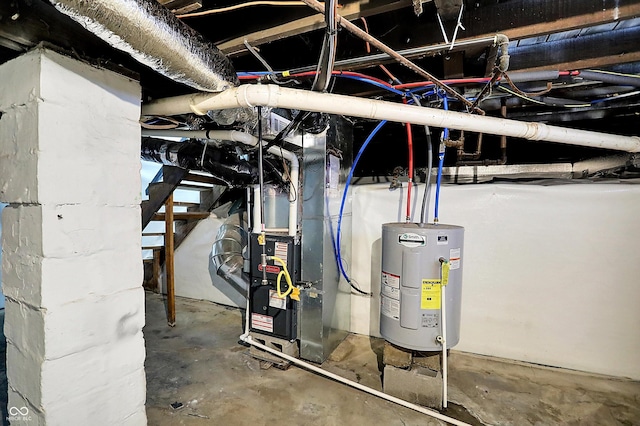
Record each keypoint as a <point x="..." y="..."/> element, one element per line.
<point x="261" y="239"/>
<point x="431" y="294"/>
<point x="445" y="273"/>
<point x="295" y="294"/>
<point x="286" y="73"/>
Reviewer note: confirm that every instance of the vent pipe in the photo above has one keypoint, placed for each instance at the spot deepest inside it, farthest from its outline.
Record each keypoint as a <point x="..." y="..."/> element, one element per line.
<point x="223" y="162"/>
<point x="153" y="36"/>
<point x="248" y="96"/>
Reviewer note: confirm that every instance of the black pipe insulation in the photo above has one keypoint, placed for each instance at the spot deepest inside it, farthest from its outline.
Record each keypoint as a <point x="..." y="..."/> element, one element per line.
<point x="610" y="78"/>
<point x="223" y="162"/>
<point x="532" y="76"/>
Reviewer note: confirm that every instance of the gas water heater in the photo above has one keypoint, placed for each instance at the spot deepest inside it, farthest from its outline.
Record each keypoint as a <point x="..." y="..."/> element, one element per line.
<point x="417" y="259"/>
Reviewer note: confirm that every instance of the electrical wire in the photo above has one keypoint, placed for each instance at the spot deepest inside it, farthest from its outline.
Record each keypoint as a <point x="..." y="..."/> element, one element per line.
<point x="614" y="73"/>
<point x="242" y="5"/>
<point x="328" y="52"/>
<point x="338" y="240"/>
<point x="541" y="102"/>
<point x="291" y="289"/>
<point x="264" y="63"/>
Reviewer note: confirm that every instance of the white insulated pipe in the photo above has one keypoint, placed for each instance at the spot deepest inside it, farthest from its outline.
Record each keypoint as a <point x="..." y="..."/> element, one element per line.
<point x="222" y="135"/>
<point x="247" y="339"/>
<point x="247" y="139"/>
<point x="445" y="375"/>
<point x="252" y="95"/>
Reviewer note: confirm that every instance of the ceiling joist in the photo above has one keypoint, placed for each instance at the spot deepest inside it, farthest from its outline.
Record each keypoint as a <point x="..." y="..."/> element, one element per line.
<point x="349" y="11"/>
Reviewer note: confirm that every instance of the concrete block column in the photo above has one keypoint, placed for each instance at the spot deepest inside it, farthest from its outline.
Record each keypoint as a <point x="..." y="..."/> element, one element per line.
<point x="71" y="264"/>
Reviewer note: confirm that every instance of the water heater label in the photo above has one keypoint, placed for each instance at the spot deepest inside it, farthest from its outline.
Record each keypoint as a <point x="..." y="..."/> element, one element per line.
<point x="409" y="239"/>
<point x="390" y="307"/>
<point x="430" y="320"/>
<point x="262" y="322"/>
<point x="443" y="240"/>
<point x="431" y="294"/>
<point x="454" y="258"/>
<point x="391" y="285"/>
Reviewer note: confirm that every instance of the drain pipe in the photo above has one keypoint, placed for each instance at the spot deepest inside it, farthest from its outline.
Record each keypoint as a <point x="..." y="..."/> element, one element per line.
<point x="282" y="97"/>
<point x="250" y="140"/>
<point x="155" y="37"/>
<point x="247" y="339"/>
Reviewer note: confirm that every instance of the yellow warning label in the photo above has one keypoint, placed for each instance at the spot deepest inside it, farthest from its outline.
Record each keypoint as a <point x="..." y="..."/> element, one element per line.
<point x="431" y="294"/>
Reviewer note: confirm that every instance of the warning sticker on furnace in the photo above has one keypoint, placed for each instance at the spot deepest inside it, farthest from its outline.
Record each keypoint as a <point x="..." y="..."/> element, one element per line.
<point x="431" y="294"/>
<point x="262" y="322"/>
<point x="281" y="250"/>
<point x="277" y="302"/>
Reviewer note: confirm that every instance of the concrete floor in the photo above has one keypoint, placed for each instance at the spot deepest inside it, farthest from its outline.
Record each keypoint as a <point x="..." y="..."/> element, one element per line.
<point x="200" y="365"/>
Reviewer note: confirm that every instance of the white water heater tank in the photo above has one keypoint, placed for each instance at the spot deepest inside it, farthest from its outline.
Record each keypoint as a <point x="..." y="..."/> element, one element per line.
<point x="411" y="291"/>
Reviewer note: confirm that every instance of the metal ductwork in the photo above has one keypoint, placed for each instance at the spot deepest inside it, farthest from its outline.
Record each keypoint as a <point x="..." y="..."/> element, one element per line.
<point x="153" y="36"/>
<point x="227" y="257"/>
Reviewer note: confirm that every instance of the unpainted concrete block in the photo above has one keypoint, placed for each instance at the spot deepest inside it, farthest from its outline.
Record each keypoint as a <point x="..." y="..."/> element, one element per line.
<point x="430" y="360"/>
<point x="396" y="356"/>
<point x="413" y="386"/>
<point x="281" y="345"/>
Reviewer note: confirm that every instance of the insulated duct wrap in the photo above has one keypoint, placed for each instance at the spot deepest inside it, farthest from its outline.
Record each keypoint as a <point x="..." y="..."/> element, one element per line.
<point x="153" y="36"/>
<point x="222" y="162"/>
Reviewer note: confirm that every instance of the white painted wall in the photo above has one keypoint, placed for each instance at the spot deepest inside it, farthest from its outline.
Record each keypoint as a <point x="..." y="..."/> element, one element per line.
<point x="195" y="274"/>
<point x="551" y="273"/>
